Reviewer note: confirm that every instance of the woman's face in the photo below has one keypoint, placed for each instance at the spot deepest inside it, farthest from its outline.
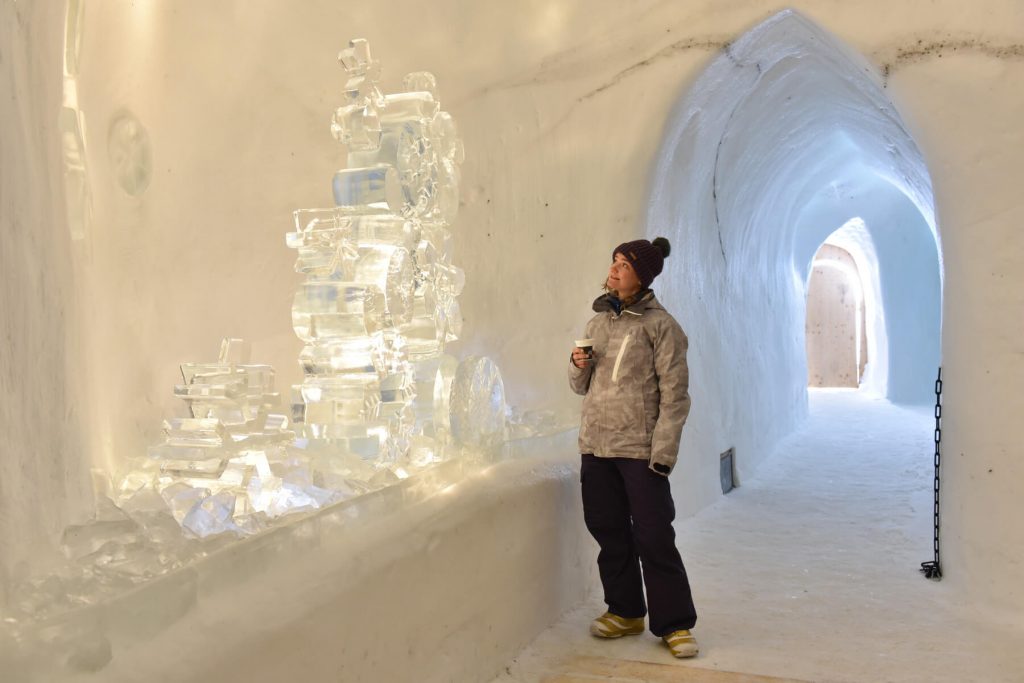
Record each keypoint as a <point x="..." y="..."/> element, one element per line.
<point x="622" y="278"/>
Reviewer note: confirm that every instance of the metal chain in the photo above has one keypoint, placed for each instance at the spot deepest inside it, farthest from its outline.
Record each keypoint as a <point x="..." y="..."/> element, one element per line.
<point x="933" y="569"/>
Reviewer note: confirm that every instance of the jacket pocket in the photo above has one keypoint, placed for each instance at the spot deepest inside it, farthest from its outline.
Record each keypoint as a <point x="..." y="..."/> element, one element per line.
<point x="627" y="428"/>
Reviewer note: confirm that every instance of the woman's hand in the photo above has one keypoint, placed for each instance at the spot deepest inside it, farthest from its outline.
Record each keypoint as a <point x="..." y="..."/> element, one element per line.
<point x="580" y="358"/>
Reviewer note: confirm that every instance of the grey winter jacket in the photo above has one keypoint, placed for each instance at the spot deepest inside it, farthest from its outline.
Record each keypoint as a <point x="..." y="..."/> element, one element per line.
<point x="635" y="391"/>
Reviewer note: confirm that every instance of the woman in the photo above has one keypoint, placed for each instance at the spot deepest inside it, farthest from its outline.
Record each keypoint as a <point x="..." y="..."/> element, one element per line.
<point x="636" y="399"/>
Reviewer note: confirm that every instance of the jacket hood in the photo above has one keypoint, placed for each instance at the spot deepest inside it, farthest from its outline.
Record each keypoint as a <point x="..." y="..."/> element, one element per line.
<point x="647" y="301"/>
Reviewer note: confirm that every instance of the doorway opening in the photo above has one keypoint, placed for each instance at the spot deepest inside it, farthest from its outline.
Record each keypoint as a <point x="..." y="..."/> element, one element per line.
<point x="835" y="331"/>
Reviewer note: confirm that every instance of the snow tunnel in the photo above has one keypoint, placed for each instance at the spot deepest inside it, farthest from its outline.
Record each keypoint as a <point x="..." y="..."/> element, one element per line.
<point x="785" y="142"/>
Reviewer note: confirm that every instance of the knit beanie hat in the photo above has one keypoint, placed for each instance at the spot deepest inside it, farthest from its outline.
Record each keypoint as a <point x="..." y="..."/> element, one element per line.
<point x="647" y="258"/>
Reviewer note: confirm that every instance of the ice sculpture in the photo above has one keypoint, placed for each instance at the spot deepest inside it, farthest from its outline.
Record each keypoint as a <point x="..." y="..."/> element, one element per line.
<point x="230" y="466"/>
<point x="378" y="303"/>
<point x="380" y="399"/>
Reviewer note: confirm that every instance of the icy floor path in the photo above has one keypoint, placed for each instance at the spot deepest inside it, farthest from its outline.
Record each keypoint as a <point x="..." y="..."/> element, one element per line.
<point x="809" y="571"/>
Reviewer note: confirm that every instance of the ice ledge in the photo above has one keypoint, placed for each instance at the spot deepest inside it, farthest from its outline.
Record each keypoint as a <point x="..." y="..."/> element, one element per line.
<point x="444" y="577"/>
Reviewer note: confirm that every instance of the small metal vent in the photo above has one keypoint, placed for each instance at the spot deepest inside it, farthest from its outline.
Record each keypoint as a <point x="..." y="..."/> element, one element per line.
<point x="728" y="469"/>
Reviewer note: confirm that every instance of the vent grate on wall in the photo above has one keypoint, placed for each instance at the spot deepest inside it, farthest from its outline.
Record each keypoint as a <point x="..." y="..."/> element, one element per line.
<point x="728" y="469"/>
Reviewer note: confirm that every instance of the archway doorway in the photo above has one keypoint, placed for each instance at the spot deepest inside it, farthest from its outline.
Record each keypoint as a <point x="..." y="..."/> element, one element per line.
<point x="835" y="332"/>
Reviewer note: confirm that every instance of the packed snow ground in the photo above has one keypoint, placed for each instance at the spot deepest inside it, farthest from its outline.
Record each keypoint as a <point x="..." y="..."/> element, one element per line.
<point x="810" y="570"/>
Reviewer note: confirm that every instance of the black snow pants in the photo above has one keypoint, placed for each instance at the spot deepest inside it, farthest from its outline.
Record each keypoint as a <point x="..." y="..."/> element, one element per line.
<point x="629" y="511"/>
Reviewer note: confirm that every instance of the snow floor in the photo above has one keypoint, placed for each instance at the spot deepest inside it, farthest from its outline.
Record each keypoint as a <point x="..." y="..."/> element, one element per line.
<point x="810" y="570"/>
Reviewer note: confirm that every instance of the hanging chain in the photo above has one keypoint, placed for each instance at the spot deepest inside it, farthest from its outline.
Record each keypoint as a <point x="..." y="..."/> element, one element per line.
<point x="933" y="569"/>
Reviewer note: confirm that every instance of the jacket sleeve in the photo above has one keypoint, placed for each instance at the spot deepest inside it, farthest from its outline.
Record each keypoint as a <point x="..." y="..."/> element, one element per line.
<point x="579" y="378"/>
<point x="670" y="345"/>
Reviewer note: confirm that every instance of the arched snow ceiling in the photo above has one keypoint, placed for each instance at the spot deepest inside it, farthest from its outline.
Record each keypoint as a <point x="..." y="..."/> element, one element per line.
<point x="782" y="139"/>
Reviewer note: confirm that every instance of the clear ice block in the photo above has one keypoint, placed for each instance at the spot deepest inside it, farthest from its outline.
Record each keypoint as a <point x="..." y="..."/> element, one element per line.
<point x="362" y="73"/>
<point x="398" y="393"/>
<point x="357" y="61"/>
<point x="452" y="319"/>
<point x="324" y="311"/>
<point x="211" y="515"/>
<point x="315" y="227"/>
<point x="275" y="423"/>
<point x="358" y="359"/>
<point x="406" y="147"/>
<point x="390" y="269"/>
<point x="212" y="374"/>
<point x="424" y="374"/>
<point x="326" y="229"/>
<point x="112" y="526"/>
<point x="211" y="393"/>
<point x="451" y="279"/>
<point x="374" y="189"/>
<point x="394" y="230"/>
<point x="439" y="237"/>
<point x="425" y="332"/>
<point x="195" y="432"/>
<point x="423" y="451"/>
<point x="205" y="468"/>
<point x="478" y="403"/>
<point x="446" y="204"/>
<point x="319" y="262"/>
<point x="234" y="351"/>
<point x="333" y="400"/>
<point x="357" y="125"/>
<point x="420" y="81"/>
<point x="368" y="441"/>
<point x="323" y="250"/>
<point x="362" y="90"/>
<point x="181" y="498"/>
<point x="446" y="370"/>
<point x="408" y="106"/>
<point x="166" y="451"/>
<point x="232" y="413"/>
<point x="446" y="138"/>
<point x="259" y="378"/>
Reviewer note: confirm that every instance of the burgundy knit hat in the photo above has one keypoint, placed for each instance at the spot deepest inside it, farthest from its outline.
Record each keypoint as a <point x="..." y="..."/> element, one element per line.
<point x="647" y="258"/>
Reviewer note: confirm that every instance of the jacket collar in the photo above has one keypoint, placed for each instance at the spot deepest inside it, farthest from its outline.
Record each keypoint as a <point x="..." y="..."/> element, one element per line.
<point x="608" y="302"/>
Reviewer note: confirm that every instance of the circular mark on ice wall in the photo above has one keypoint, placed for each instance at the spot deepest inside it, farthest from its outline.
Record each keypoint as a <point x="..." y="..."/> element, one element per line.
<point x="131" y="160"/>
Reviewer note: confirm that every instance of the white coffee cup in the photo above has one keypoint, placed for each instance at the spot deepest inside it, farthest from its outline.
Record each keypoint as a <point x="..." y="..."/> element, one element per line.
<point x="587" y="345"/>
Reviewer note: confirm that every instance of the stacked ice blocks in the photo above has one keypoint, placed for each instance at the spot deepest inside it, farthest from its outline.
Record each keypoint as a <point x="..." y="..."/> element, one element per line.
<point x="379" y="297"/>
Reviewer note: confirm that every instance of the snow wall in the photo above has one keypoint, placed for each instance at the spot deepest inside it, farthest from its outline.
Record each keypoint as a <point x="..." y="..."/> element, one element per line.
<point x="584" y="125"/>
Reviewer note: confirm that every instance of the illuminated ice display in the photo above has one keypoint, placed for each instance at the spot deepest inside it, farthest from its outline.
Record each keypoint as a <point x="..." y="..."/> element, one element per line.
<point x="229" y="467"/>
<point x="379" y="298"/>
<point x="380" y="399"/>
<point x="376" y="306"/>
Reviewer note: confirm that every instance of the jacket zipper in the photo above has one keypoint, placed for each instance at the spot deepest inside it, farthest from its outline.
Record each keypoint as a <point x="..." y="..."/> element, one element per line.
<point x="618" y="358"/>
